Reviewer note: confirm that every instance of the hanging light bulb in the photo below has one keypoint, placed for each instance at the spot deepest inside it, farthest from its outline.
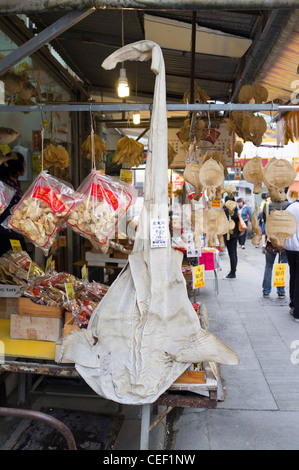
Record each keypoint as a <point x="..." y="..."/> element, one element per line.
<point x="136" y="118"/>
<point x="123" y="89"/>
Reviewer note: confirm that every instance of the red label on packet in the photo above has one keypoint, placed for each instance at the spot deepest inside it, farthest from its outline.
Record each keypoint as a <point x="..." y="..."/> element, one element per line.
<point x="48" y="196"/>
<point x="112" y="199"/>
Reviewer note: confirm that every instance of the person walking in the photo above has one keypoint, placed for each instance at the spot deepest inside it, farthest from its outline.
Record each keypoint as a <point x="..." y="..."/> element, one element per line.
<point x="292" y="252"/>
<point x="246" y="214"/>
<point x="271" y="253"/>
<point x="9" y="174"/>
<point x="230" y="240"/>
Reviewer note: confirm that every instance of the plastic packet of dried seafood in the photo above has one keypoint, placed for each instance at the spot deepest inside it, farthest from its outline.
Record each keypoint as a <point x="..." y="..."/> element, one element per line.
<point x="6" y="195"/>
<point x="43" y="210"/>
<point x="100" y="204"/>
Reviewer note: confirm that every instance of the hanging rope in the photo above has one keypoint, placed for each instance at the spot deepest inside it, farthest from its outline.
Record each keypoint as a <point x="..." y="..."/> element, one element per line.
<point x="93" y="158"/>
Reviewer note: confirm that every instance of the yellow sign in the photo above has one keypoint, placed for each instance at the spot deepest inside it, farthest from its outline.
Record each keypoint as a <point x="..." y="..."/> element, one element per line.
<point x="49" y="263"/>
<point x="31" y="269"/>
<point x="70" y="291"/>
<point x="62" y="240"/>
<point x="84" y="272"/>
<point x="126" y="176"/>
<point x="216" y="203"/>
<point x="54" y="245"/>
<point x="279" y="275"/>
<point x="53" y="266"/>
<point x="16" y="245"/>
<point x="198" y="276"/>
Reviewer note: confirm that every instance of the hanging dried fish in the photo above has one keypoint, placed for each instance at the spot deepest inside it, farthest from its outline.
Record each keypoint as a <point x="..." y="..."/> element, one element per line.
<point x="253" y="173"/>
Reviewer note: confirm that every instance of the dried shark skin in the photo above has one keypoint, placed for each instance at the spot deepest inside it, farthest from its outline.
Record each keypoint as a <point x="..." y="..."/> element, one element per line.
<point x="145" y="333"/>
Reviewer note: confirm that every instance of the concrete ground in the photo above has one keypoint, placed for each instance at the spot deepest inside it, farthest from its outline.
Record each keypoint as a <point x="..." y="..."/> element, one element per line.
<point x="260" y="410"/>
<point x="261" y="406"/>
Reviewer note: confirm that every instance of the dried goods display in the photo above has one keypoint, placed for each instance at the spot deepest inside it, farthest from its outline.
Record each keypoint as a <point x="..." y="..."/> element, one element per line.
<point x="238" y="148"/>
<point x="55" y="155"/>
<point x="14" y="267"/>
<point x="171" y="154"/>
<point x="279" y="174"/>
<point x="215" y="223"/>
<point x="218" y="157"/>
<point x="280" y="225"/>
<point x="230" y="189"/>
<point x="129" y="151"/>
<point x="43" y="210"/>
<point x="253" y="173"/>
<point x="101" y="203"/>
<point x="256" y="228"/>
<point x="198" y="132"/>
<point x="145" y="332"/>
<point x="99" y="148"/>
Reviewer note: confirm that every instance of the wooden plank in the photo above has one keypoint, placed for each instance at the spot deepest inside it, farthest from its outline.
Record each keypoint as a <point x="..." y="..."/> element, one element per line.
<point x="31" y="309"/>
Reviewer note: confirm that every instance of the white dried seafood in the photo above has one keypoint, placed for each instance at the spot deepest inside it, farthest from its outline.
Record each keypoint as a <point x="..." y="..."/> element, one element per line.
<point x="279" y="226"/>
<point x="43" y="210"/>
<point x="253" y="173"/>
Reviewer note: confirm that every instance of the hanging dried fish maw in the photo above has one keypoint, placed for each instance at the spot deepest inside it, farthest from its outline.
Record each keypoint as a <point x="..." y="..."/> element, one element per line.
<point x="260" y="93"/>
<point x="279" y="226"/>
<point x="253" y="173"/>
<point x="257" y="128"/>
<point x="197" y="222"/>
<point x="211" y="176"/>
<point x="13" y="83"/>
<point x="191" y="175"/>
<point x="231" y="206"/>
<point x="256" y="228"/>
<point x="145" y="332"/>
<point x="218" y="157"/>
<point x="99" y="148"/>
<point x="230" y="189"/>
<point x="215" y="222"/>
<point x="245" y="94"/>
<point x="238" y="148"/>
<point x="279" y="173"/>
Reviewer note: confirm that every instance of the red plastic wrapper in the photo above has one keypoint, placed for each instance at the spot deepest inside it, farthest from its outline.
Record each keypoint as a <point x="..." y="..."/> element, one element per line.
<point x="43" y="210"/>
<point x="100" y="203"/>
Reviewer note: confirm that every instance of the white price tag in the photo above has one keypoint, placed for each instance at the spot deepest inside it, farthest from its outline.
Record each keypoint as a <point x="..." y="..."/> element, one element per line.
<point x="192" y="252"/>
<point x="159" y="233"/>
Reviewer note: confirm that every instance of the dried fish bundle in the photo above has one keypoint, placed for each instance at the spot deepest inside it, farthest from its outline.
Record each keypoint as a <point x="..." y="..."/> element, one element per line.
<point x="191" y="175"/>
<point x="7" y="135"/>
<point x="55" y="155"/>
<point x="256" y="228"/>
<point x="129" y="151"/>
<point x="238" y="148"/>
<point x="218" y="157"/>
<point x="279" y="226"/>
<point x="99" y="148"/>
<point x="253" y="173"/>
<point x="197" y="131"/>
<point x="279" y="173"/>
<point x="230" y="189"/>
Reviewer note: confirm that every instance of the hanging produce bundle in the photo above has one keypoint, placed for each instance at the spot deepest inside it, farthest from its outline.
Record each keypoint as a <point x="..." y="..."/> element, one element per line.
<point x="6" y="195"/>
<point x="247" y="126"/>
<point x="56" y="155"/>
<point x="43" y="210"/>
<point x="199" y="95"/>
<point x="197" y="131"/>
<point x="99" y="148"/>
<point x="129" y="151"/>
<point x="101" y="203"/>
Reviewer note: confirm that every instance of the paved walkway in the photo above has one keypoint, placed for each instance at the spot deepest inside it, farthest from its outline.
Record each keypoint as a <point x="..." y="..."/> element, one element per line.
<point x="261" y="406"/>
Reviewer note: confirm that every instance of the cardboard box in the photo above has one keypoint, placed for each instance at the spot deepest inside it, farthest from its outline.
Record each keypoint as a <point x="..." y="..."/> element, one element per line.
<point x="35" y="328"/>
<point x="192" y="376"/>
<point x="8" y="290"/>
<point x="30" y="309"/>
<point x="8" y="305"/>
<point x="69" y="324"/>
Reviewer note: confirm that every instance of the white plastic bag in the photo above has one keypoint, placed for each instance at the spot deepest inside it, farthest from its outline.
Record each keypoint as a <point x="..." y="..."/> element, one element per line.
<point x="101" y="203"/>
<point x="6" y="195"/>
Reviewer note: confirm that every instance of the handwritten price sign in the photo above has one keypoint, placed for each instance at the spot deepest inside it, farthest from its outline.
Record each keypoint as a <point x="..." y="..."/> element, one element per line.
<point x="159" y="231"/>
<point x="198" y="276"/>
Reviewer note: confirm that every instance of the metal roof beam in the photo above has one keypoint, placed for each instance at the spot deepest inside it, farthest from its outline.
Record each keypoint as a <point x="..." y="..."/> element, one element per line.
<point x="38" y="41"/>
<point x="147" y="107"/>
<point x="41" y="6"/>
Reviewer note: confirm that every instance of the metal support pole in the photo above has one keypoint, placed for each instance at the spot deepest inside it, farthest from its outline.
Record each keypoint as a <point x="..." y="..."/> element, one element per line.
<point x="38" y="41"/>
<point x="145" y="423"/>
